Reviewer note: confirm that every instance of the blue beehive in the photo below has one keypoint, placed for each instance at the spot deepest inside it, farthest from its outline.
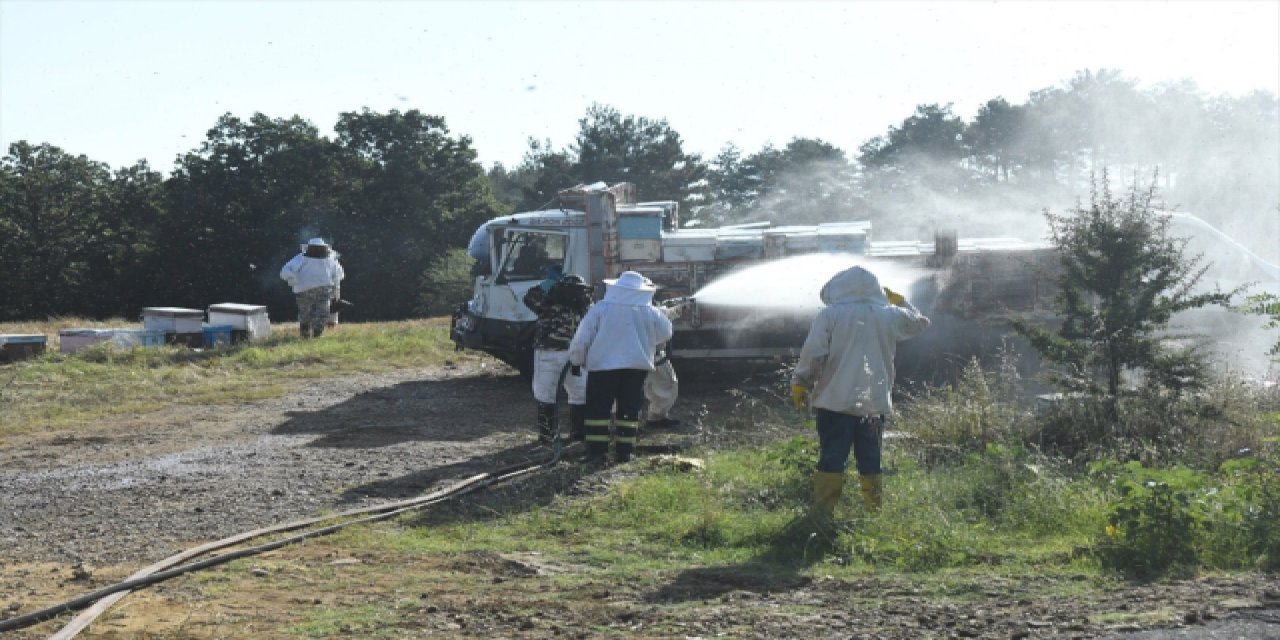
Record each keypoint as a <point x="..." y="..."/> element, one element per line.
<point x="19" y="346"/>
<point x="640" y="226"/>
<point x="217" y="335"/>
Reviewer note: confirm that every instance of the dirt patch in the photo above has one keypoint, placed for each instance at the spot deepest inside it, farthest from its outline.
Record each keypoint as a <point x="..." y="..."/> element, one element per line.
<point x="84" y="509"/>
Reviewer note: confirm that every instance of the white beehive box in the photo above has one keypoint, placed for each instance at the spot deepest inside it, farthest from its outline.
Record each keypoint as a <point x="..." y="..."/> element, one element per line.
<point x="250" y="318"/>
<point x="689" y="246"/>
<point x="632" y="250"/>
<point x="172" y="319"/>
<point x="739" y="244"/>
<point x="843" y="237"/>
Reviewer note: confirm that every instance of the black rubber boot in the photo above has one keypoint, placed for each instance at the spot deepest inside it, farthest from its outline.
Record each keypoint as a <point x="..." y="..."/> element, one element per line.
<point x="547" y="431"/>
<point x="622" y="451"/>
<point x="597" y="454"/>
<point x="577" y="420"/>
<point x="304" y="329"/>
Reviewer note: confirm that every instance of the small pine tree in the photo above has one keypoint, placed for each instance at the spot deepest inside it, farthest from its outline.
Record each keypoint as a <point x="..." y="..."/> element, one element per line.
<point x="1122" y="279"/>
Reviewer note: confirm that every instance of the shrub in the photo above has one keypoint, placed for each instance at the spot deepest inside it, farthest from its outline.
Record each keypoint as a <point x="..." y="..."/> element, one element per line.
<point x="1242" y="528"/>
<point x="1155" y="427"/>
<point x="1153" y="526"/>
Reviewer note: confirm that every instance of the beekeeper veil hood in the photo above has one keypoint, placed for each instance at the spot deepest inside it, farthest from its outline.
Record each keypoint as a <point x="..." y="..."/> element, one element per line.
<point x="629" y="288"/>
<point x="854" y="284"/>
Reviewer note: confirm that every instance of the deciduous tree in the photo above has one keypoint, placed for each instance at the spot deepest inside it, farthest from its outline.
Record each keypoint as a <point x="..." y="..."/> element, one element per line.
<point x="421" y="192"/>
<point x="50" y="230"/>
<point x="611" y="147"/>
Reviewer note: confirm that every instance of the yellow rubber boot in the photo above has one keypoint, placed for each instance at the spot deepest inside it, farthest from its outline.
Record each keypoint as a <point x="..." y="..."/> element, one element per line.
<point x="872" y="491"/>
<point x="827" y="488"/>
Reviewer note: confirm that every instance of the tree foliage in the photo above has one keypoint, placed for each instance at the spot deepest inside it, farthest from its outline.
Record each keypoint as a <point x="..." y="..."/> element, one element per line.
<point x="612" y="147"/>
<point x="807" y="181"/>
<point x="237" y="208"/>
<point x="420" y="192"/>
<point x="51" y="229"/>
<point x="609" y="147"/>
<point x="1268" y="305"/>
<point x="929" y="144"/>
<point x="392" y="192"/>
<point x="1123" y="278"/>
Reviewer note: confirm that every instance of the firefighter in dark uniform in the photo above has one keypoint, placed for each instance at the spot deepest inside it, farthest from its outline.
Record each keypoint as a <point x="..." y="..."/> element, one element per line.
<point x="560" y="303"/>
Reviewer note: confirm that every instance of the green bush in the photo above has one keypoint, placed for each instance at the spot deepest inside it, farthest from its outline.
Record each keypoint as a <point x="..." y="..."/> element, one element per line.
<point x="1242" y="531"/>
<point x="1154" y="526"/>
<point x="990" y="482"/>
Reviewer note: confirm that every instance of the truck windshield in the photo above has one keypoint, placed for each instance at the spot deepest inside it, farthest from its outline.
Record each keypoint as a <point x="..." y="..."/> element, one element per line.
<point x="529" y="254"/>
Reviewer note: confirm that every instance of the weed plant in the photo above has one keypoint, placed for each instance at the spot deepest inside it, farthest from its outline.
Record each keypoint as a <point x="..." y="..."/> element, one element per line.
<point x="979" y="410"/>
<point x="1178" y="520"/>
<point x="1201" y="430"/>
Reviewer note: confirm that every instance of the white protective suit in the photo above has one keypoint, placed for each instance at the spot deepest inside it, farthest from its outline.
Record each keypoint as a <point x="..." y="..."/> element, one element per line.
<point x="661" y="387"/>
<point x="620" y="332"/>
<point x="303" y="273"/>
<point x="847" y="359"/>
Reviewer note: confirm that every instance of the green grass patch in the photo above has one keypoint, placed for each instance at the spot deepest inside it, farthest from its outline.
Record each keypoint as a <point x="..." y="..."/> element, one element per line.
<point x="997" y="512"/>
<point x="742" y="508"/>
<point x="57" y="391"/>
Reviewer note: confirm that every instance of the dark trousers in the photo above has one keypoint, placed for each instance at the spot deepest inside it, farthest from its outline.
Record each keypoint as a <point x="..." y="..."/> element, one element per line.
<point x="840" y="432"/>
<point x="605" y="389"/>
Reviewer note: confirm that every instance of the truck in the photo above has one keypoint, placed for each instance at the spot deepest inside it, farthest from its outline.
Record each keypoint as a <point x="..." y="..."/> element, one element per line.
<point x="597" y="231"/>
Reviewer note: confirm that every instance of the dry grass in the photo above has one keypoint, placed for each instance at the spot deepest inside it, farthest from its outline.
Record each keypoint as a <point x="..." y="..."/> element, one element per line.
<point x="59" y="390"/>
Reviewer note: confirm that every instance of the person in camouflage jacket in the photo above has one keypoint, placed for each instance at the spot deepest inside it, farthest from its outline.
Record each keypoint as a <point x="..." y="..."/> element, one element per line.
<point x="560" y="303"/>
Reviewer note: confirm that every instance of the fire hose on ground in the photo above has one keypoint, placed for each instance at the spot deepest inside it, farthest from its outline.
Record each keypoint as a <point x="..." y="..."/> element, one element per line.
<point x="166" y="569"/>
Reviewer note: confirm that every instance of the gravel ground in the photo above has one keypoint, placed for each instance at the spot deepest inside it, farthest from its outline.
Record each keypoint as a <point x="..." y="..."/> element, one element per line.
<point x="151" y="486"/>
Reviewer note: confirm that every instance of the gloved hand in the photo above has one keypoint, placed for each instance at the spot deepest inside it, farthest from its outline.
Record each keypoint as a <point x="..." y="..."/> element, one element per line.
<point x="575" y="370"/>
<point x="799" y="397"/>
<point x="896" y="299"/>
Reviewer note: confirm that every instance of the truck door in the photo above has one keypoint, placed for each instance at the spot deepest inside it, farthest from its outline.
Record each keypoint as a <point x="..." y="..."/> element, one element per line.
<point x="529" y="254"/>
<point x="527" y="257"/>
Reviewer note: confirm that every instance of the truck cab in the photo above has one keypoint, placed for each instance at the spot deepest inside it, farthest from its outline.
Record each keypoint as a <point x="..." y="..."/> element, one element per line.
<point x="522" y="249"/>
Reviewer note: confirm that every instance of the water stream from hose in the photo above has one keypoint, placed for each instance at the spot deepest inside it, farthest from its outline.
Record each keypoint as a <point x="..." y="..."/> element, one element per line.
<point x="794" y="283"/>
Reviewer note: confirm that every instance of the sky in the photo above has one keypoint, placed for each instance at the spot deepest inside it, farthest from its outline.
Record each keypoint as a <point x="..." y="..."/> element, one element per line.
<point x="122" y="81"/>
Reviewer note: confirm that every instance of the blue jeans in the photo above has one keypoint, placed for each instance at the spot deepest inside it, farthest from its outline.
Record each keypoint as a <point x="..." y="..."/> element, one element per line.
<point x="840" y="432"/>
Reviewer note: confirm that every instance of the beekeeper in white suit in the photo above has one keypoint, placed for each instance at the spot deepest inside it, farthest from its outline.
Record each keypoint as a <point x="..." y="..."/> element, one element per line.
<point x="846" y="369"/>
<point x="314" y="275"/>
<point x="661" y="386"/>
